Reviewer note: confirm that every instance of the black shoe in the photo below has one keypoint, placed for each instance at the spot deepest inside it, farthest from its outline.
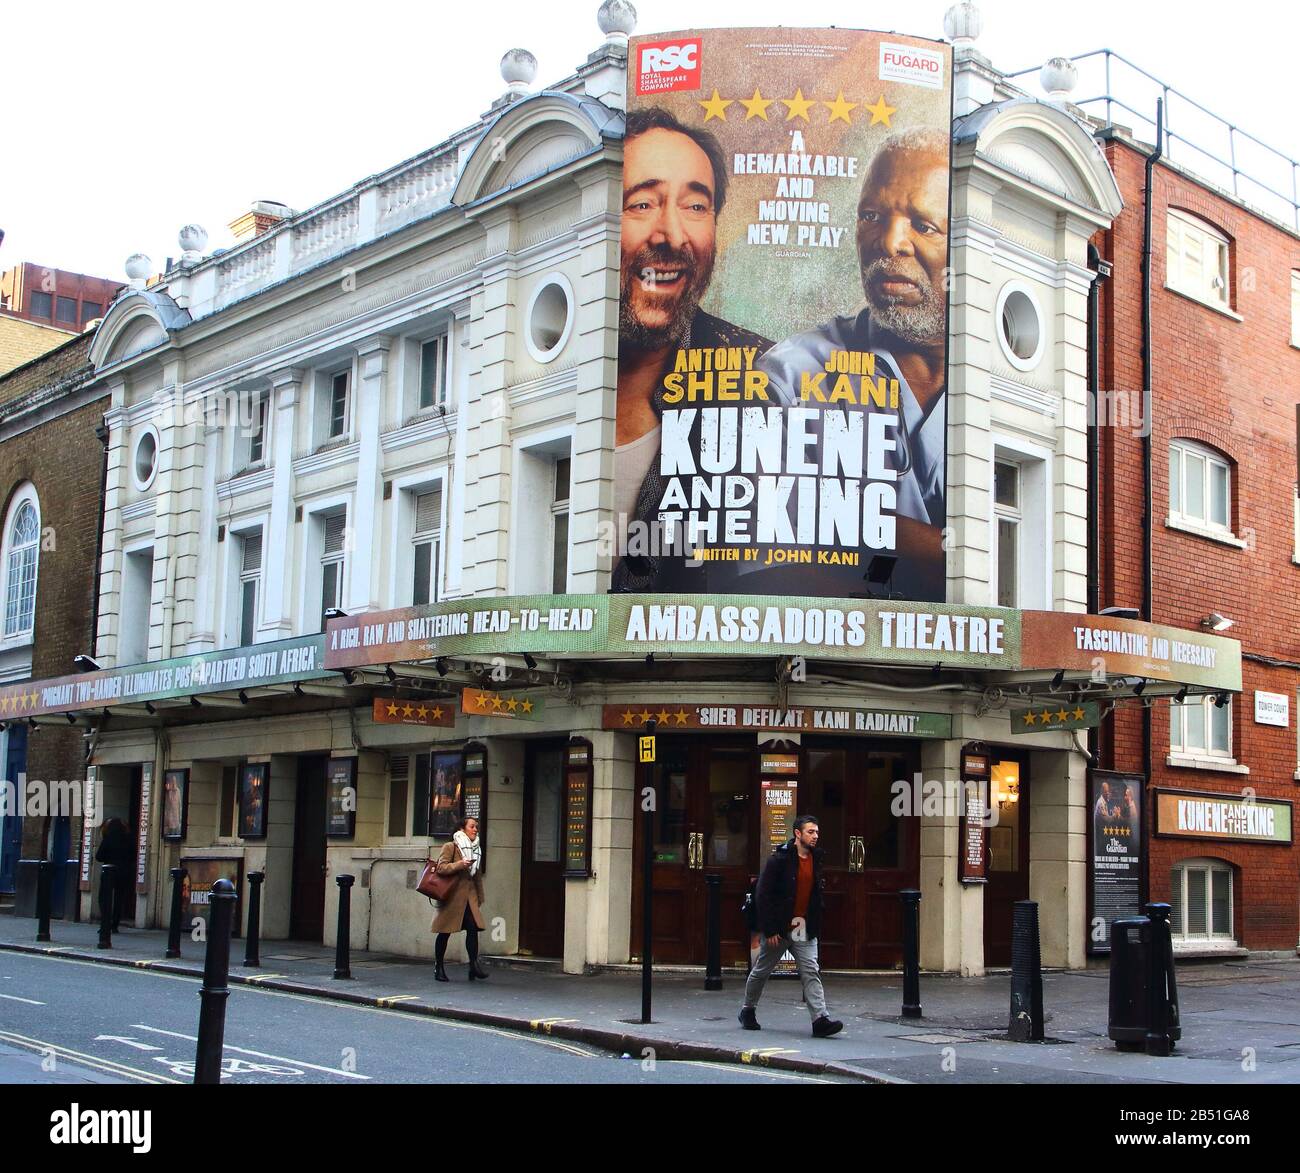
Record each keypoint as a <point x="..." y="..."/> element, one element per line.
<point x="826" y="1026"/>
<point x="476" y="970"/>
<point x="440" y="972"/>
<point x="748" y="1018"/>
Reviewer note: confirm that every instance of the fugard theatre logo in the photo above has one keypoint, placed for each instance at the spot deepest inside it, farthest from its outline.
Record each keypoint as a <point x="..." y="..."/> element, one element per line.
<point x="665" y="66"/>
<point x="910" y="65"/>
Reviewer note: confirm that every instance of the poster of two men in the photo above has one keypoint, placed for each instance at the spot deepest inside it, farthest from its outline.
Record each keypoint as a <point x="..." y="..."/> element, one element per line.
<point x="783" y="314"/>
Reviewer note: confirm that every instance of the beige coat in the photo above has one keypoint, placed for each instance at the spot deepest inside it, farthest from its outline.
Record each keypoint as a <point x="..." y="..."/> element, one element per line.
<point x="451" y="912"/>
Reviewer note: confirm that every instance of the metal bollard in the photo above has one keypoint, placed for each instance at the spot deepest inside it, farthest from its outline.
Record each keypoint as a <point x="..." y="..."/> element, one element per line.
<point x="911" y="899"/>
<point x="1162" y="992"/>
<point x="107" y="895"/>
<point x="43" y="900"/>
<point x="342" y="962"/>
<point x="174" y="921"/>
<point x="252" y="947"/>
<point x="215" y="990"/>
<point x="1026" y="1022"/>
<point x="713" y="945"/>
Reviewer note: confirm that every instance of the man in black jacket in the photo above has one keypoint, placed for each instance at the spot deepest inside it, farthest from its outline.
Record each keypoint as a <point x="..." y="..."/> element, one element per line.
<point x="789" y="899"/>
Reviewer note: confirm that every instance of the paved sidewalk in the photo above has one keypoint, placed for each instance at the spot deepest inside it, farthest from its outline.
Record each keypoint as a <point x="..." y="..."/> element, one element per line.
<point x="1236" y="1015"/>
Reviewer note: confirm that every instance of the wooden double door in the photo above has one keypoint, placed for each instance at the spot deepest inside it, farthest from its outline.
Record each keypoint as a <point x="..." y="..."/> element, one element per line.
<point x="707" y="820"/>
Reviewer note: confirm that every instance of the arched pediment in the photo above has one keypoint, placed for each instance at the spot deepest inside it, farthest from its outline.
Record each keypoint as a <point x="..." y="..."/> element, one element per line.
<point x="137" y="321"/>
<point x="531" y="137"/>
<point x="1045" y="145"/>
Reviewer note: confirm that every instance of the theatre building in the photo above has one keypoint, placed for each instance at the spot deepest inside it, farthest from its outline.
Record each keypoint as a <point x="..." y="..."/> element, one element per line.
<point x="356" y="578"/>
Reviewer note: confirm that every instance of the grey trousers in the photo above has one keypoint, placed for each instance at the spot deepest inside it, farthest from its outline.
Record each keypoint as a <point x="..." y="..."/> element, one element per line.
<point x="805" y="957"/>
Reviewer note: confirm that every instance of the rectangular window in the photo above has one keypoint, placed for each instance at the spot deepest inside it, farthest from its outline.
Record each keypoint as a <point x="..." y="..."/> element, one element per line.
<point x="1200" y="487"/>
<point x="1200" y="728"/>
<point x="1006" y="510"/>
<point x="433" y="372"/>
<point x="338" y="404"/>
<point x="257" y="437"/>
<point x="1200" y="898"/>
<point x="67" y="307"/>
<point x="90" y="310"/>
<point x="332" y="562"/>
<point x="1197" y="259"/>
<point x="136" y="604"/>
<point x="399" y="778"/>
<point x="42" y="305"/>
<point x="427" y="542"/>
<point x="250" y="573"/>
<point x="560" y="530"/>
<point x="1295" y="307"/>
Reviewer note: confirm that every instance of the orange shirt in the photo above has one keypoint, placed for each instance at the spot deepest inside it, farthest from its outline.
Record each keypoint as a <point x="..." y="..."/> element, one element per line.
<point x="803" y="885"/>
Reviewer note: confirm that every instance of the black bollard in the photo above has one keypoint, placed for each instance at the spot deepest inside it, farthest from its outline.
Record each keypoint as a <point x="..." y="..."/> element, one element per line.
<point x="107" y="894"/>
<point x="1162" y="993"/>
<point x="252" y="955"/>
<point x="215" y="990"/>
<point x="174" y="921"/>
<point x="43" y="900"/>
<point x="911" y="900"/>
<point x="342" y="961"/>
<point x="1026" y="1021"/>
<point x="713" y="946"/>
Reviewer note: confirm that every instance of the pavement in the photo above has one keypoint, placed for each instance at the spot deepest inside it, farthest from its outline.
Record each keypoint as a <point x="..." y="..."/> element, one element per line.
<point x="1240" y="1018"/>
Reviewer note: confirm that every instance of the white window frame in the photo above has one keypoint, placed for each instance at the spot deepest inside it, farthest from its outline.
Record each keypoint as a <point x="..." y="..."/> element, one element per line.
<point x="562" y="283"/>
<point x="144" y="484"/>
<point x="560" y="507"/>
<point x="1179" y="902"/>
<point x="1035" y="557"/>
<point x="259" y="401"/>
<point x="1178" y="517"/>
<point x="323" y="404"/>
<point x="1180" y="753"/>
<point x="1211" y="283"/>
<point x="1295" y="307"/>
<point x="337" y="558"/>
<point x="532" y="532"/>
<point x="442" y="380"/>
<point x="425" y="537"/>
<point x="1004" y="342"/>
<point x="128" y="553"/>
<point x="24" y="633"/>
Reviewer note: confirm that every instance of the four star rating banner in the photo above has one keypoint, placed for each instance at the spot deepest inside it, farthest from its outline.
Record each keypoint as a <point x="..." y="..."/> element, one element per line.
<point x="783" y="313"/>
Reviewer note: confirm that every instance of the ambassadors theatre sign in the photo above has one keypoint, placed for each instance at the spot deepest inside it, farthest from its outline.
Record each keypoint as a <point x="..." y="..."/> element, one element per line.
<point x="865" y="631"/>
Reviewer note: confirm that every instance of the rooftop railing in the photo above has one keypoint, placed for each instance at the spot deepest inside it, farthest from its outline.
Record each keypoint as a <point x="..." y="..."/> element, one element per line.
<point x="1195" y="137"/>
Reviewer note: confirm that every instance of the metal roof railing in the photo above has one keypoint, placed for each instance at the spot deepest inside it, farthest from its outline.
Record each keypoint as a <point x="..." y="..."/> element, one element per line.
<point x="1195" y="137"/>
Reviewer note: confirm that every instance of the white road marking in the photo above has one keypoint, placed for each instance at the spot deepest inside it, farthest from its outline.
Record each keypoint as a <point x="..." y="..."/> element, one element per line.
<point x="15" y="998"/>
<point x="130" y="1042"/>
<point x="109" y="1066"/>
<point x="258" y="1054"/>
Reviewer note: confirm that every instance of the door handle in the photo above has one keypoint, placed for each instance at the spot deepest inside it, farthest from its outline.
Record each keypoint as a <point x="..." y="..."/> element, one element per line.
<point x="695" y="850"/>
<point x="857" y="853"/>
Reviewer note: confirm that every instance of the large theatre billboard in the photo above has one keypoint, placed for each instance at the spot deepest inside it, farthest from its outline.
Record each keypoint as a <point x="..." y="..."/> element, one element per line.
<point x="783" y="314"/>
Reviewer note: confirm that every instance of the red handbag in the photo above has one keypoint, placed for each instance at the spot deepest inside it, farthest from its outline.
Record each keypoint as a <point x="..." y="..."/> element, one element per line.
<point x="433" y="885"/>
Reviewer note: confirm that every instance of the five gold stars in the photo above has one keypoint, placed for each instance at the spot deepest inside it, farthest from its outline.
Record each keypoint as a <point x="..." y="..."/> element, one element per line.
<point x="716" y="107"/>
<point x="756" y="107"/>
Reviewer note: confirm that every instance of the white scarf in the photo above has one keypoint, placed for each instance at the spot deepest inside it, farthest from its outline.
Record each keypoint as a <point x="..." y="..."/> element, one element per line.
<point x="470" y="849"/>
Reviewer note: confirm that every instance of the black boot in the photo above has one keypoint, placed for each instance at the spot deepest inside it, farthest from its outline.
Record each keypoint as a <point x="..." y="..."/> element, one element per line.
<point x="439" y="958"/>
<point x="476" y="970"/>
<point x="440" y="971"/>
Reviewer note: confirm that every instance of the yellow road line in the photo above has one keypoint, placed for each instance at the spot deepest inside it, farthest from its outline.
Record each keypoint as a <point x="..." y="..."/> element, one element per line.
<point x="108" y="1066"/>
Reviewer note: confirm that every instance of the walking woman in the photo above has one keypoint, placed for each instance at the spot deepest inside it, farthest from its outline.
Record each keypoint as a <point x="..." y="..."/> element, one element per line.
<point x="462" y="858"/>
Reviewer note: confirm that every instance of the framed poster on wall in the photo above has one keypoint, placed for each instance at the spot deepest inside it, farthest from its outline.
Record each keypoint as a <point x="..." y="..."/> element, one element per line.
<point x="475" y="796"/>
<point x="446" y="784"/>
<point x="1116" y="805"/>
<point x="176" y="805"/>
<point x="577" y="809"/>
<point x="254" y="797"/>
<point x="341" y="798"/>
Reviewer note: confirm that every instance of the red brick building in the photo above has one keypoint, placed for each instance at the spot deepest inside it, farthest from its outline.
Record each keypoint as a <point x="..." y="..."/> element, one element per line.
<point x="1222" y="450"/>
<point x="55" y="297"/>
<point x="51" y="504"/>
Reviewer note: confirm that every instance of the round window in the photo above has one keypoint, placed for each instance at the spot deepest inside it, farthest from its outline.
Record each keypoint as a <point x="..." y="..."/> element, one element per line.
<point x="146" y="459"/>
<point x="1020" y="327"/>
<point x="550" y="318"/>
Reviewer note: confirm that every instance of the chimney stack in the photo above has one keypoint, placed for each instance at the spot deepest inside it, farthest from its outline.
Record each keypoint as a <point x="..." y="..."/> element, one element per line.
<point x="261" y="217"/>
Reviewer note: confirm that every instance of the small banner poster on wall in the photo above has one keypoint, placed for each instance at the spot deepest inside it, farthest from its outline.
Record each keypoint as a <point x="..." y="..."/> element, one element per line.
<point x="578" y="780"/>
<point x="389" y="710"/>
<point x="341" y="789"/>
<point x="1050" y="716"/>
<point x="514" y="706"/>
<point x="142" y="845"/>
<point x="1115" y="862"/>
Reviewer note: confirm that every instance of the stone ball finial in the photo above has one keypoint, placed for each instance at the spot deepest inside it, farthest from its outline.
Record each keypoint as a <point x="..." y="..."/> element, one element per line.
<point x="1058" y="77"/>
<point x="193" y="239"/>
<point x="518" y="69"/>
<point x="962" y="23"/>
<point x="138" y="269"/>
<point x="617" y="20"/>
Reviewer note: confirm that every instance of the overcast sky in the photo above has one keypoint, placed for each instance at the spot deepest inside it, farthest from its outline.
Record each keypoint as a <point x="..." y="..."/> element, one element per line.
<point x="125" y="121"/>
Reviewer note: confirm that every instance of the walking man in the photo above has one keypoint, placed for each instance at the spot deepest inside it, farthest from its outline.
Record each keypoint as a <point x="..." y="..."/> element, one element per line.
<point x="789" y="899"/>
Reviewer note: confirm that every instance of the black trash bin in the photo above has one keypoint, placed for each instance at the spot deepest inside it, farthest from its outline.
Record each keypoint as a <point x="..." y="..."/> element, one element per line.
<point x="1130" y="963"/>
